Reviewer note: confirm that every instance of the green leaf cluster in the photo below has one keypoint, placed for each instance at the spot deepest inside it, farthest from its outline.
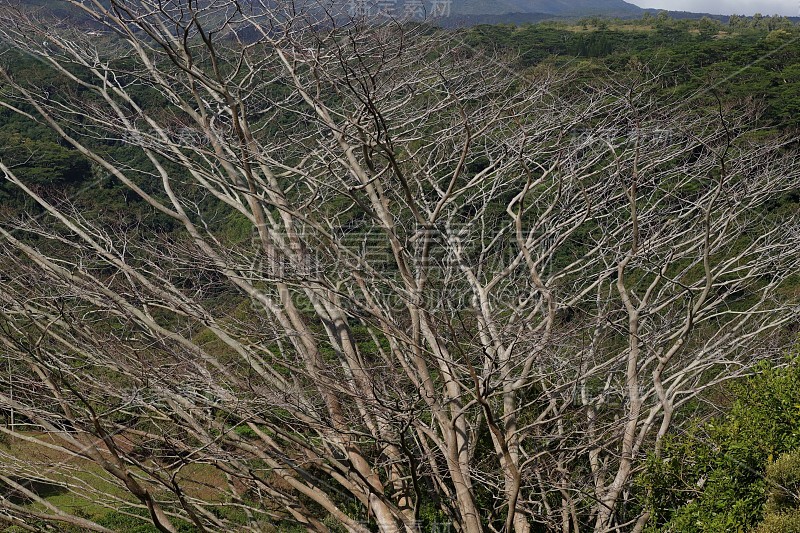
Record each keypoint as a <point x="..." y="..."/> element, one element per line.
<point x="719" y="475"/>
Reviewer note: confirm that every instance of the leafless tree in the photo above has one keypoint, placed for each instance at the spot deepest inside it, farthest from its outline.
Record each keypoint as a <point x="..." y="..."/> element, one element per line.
<point x="470" y="297"/>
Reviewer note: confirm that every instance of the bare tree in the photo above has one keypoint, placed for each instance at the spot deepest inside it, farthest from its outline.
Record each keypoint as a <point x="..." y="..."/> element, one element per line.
<point x="470" y="297"/>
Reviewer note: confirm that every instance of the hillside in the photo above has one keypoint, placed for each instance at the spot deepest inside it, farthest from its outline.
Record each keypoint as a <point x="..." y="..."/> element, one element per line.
<point x="462" y="12"/>
<point x="262" y="273"/>
<point x="548" y="7"/>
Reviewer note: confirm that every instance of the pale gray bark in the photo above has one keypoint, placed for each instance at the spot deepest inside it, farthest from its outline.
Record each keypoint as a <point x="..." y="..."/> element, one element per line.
<point x="478" y="293"/>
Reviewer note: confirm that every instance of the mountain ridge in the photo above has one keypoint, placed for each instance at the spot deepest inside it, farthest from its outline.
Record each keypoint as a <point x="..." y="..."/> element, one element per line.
<point x="545" y="7"/>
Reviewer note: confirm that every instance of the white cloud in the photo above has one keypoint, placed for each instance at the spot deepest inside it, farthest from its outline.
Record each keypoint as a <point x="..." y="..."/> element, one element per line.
<point x="727" y="7"/>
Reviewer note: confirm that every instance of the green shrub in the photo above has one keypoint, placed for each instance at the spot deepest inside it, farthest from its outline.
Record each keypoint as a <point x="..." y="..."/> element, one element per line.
<point x="782" y="511"/>
<point x="715" y="475"/>
<point x="781" y="523"/>
<point x="783" y="476"/>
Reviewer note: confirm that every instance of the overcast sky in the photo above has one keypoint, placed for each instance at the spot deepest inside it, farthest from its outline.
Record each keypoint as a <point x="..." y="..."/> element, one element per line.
<point x="727" y="7"/>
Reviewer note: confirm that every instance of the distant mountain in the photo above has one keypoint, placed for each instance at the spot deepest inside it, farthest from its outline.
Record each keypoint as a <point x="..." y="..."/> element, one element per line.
<point x="461" y="12"/>
<point x="559" y="8"/>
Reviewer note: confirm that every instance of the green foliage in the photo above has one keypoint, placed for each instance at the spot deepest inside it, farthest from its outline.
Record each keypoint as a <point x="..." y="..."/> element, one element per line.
<point x="782" y="511"/>
<point x="237" y="228"/>
<point x="137" y="521"/>
<point x="41" y="161"/>
<point x="713" y="478"/>
<point x="784" y="475"/>
<point x="717" y="476"/>
<point x="781" y="523"/>
<point x="750" y="59"/>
